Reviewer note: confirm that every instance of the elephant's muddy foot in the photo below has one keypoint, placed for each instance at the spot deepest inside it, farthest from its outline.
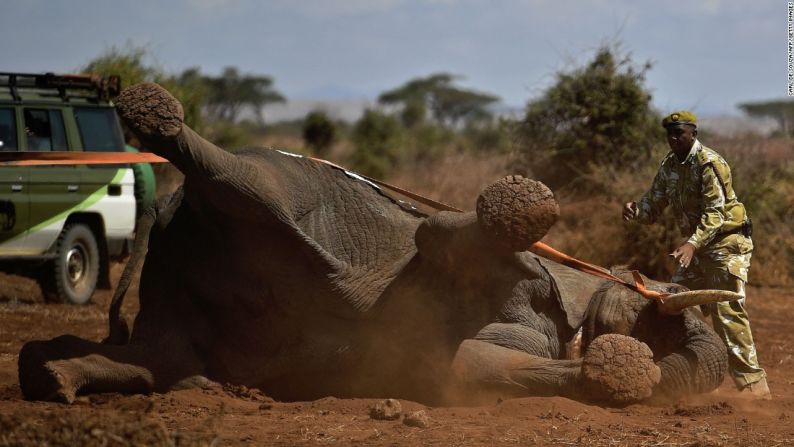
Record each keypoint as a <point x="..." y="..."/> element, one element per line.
<point x="151" y="112"/>
<point x="41" y="378"/>
<point x="619" y="369"/>
<point x="517" y="211"/>
<point x="60" y="368"/>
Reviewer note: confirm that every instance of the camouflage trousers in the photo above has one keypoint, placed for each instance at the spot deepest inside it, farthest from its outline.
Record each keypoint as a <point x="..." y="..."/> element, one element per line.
<point x="729" y="318"/>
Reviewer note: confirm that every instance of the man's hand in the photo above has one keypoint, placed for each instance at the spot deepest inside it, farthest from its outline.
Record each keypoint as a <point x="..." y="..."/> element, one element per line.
<point x="630" y="211"/>
<point x="684" y="254"/>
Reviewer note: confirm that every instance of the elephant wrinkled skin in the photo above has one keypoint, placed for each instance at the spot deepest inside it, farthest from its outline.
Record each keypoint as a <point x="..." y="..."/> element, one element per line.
<point x="304" y="280"/>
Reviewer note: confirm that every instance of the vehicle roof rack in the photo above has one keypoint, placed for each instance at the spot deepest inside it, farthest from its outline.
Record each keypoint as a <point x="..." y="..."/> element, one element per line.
<point x="67" y="85"/>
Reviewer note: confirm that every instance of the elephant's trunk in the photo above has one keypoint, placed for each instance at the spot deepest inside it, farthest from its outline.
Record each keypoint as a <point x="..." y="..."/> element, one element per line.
<point x="698" y="365"/>
<point x="677" y="302"/>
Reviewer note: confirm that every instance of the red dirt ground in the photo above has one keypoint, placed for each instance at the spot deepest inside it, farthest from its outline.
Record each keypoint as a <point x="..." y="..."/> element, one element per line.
<point x="235" y="416"/>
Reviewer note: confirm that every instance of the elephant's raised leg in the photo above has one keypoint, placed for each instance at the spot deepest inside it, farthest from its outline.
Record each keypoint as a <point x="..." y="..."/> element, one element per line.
<point x="60" y="368"/>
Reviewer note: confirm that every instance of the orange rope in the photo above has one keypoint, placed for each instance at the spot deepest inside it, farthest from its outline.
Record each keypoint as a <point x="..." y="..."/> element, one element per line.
<point x="86" y="158"/>
<point x="539" y="248"/>
<point x="76" y="158"/>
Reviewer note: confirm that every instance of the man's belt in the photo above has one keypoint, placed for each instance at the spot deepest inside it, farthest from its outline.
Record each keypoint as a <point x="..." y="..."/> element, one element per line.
<point x="746" y="229"/>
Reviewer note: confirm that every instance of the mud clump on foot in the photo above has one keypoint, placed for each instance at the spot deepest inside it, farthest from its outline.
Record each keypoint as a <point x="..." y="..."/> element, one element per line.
<point x="619" y="369"/>
<point x="150" y="111"/>
<point x="517" y="211"/>
<point x="386" y="410"/>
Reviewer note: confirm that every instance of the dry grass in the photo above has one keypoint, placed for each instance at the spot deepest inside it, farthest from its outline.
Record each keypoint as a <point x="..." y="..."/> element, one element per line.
<point x="456" y="179"/>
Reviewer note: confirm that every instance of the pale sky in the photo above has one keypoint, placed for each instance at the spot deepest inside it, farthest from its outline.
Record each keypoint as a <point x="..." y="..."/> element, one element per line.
<point x="708" y="55"/>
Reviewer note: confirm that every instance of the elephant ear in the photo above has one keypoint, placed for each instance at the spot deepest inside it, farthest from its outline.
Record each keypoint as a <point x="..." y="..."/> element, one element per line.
<point x="574" y="289"/>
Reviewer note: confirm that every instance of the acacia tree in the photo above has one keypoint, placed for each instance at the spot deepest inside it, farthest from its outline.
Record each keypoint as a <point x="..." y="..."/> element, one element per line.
<point x="448" y="104"/>
<point x="597" y="114"/>
<point x="781" y="111"/>
<point x="231" y="92"/>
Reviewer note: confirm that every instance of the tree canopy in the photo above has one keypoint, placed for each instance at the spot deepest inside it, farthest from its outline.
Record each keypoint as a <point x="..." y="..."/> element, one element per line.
<point x="220" y="97"/>
<point x="448" y="104"/>
<point x="231" y="92"/>
<point x="781" y="110"/>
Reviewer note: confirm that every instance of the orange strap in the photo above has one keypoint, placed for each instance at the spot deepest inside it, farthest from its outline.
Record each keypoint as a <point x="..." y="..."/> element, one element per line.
<point x="86" y="158"/>
<point x="539" y="248"/>
<point x="31" y="158"/>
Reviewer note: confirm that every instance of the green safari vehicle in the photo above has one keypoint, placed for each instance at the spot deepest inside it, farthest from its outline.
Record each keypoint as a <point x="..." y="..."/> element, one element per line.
<point x="63" y="224"/>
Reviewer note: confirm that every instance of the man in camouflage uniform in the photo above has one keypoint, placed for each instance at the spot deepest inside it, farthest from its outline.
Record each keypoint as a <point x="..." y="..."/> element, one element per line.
<point x="696" y="182"/>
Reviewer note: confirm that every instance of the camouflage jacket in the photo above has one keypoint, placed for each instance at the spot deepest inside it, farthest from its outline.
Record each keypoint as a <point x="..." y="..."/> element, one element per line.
<point x="700" y="190"/>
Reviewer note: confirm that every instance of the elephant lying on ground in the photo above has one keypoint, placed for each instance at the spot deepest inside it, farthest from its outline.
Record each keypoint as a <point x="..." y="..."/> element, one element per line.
<point x="278" y="272"/>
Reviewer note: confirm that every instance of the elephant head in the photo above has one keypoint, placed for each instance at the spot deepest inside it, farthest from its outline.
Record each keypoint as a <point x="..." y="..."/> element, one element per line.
<point x="634" y="348"/>
<point x="690" y="356"/>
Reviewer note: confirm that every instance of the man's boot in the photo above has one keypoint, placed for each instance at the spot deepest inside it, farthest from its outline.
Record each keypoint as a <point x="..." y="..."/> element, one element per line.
<point x="758" y="390"/>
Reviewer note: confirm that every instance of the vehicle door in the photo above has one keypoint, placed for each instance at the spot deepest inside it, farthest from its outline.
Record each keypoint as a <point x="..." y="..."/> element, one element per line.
<point x="54" y="190"/>
<point x="14" y="192"/>
<point x="100" y="131"/>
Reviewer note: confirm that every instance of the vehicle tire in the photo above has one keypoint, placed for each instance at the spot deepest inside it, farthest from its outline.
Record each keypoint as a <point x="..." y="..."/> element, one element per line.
<point x="75" y="271"/>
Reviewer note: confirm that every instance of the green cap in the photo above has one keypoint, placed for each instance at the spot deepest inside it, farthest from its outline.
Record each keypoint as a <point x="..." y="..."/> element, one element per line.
<point x="680" y="117"/>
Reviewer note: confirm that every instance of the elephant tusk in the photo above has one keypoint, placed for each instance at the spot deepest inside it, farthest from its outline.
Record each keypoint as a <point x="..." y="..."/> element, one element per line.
<point x="675" y="303"/>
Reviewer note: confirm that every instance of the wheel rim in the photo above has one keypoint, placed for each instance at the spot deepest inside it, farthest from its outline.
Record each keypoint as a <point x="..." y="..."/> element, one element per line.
<point x="76" y="266"/>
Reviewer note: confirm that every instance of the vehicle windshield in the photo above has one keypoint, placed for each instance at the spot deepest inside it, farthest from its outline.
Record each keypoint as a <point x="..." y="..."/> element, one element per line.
<point x="99" y="129"/>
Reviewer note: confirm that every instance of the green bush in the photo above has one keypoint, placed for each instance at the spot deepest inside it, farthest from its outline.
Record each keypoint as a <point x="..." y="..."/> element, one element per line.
<point x="319" y="132"/>
<point x="428" y="141"/>
<point x="492" y="137"/>
<point x="378" y="141"/>
<point x="597" y="114"/>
